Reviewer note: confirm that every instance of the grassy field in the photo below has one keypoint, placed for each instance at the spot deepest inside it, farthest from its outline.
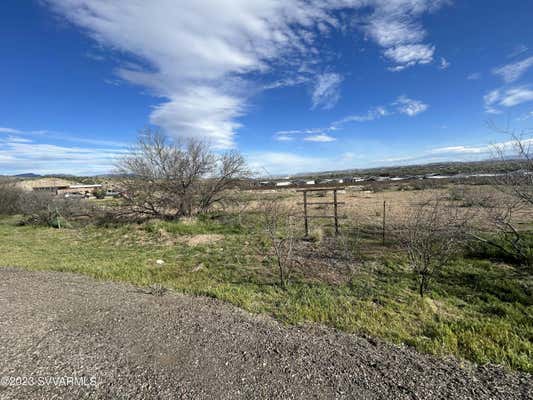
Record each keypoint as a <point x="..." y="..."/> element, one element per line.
<point x="477" y="309"/>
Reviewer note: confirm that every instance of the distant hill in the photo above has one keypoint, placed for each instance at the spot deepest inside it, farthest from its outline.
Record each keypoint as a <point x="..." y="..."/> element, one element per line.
<point x="445" y="168"/>
<point x="27" y="175"/>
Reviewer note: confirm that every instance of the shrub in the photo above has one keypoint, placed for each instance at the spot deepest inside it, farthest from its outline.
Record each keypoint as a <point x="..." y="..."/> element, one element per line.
<point x="10" y="199"/>
<point x="49" y="210"/>
<point x="432" y="235"/>
<point x="100" y="194"/>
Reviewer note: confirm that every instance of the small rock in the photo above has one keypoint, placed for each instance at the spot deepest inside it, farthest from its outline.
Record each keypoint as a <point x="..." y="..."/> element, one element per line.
<point x="159" y="262"/>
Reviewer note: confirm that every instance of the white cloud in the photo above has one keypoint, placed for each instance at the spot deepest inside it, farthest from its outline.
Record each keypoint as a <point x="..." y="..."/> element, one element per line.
<point x="460" y="149"/>
<point x="508" y="97"/>
<point x="444" y="64"/>
<point x="410" y="107"/>
<point x="19" y="155"/>
<point x="507" y="147"/>
<point x="371" y="115"/>
<point x="402" y="105"/>
<point x="518" y="50"/>
<point x="204" y="112"/>
<point x="395" y="26"/>
<point x="284" y="163"/>
<point x="274" y="163"/>
<point x="511" y="72"/>
<point x="292" y="81"/>
<point x="326" y="92"/>
<point x="517" y="95"/>
<point x="48" y="135"/>
<point x="320" y="138"/>
<point x="197" y="56"/>
<point x="526" y="116"/>
<point x="284" y="138"/>
<point x="409" y="55"/>
<point x="9" y="130"/>
<point x="474" y="76"/>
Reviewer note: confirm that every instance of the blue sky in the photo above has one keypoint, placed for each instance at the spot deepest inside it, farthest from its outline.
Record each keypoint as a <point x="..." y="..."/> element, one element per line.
<point x="295" y="85"/>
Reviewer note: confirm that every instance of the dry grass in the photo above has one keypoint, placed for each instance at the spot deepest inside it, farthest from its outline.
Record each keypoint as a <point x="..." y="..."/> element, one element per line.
<point x="364" y="208"/>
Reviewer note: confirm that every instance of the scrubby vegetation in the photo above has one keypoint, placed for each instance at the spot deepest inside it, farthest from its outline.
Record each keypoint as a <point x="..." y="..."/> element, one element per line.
<point x="453" y="276"/>
<point x="475" y="308"/>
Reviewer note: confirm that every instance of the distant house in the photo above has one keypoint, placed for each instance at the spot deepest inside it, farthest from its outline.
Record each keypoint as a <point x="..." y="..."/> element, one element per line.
<point x="284" y="183"/>
<point x="58" y="187"/>
<point x="51" y="185"/>
<point x="266" y="183"/>
<point x="299" y="182"/>
<point x="81" y="190"/>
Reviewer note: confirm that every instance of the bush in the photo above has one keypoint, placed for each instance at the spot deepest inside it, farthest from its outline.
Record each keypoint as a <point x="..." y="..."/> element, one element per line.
<point x="432" y="235"/>
<point x="40" y="208"/>
<point x="498" y="247"/>
<point x="10" y="199"/>
<point x="100" y="194"/>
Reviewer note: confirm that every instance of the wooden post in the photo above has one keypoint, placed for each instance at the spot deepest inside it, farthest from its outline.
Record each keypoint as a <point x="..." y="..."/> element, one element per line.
<point x="335" y="212"/>
<point x="384" y="210"/>
<point x="305" y="215"/>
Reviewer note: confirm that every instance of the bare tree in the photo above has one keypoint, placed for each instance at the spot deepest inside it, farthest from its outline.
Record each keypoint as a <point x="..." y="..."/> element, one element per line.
<point x="513" y="195"/>
<point x="517" y="157"/>
<point x="230" y="169"/>
<point x="279" y="227"/>
<point x="168" y="179"/>
<point x="432" y="235"/>
<point x="502" y="217"/>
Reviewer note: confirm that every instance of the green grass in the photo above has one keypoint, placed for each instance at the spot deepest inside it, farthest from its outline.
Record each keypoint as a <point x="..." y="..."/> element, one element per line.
<point x="477" y="309"/>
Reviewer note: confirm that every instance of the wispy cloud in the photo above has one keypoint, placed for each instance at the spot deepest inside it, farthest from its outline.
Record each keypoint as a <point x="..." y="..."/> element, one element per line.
<point x="488" y="149"/>
<point x="410" y="107"/>
<point x="506" y="97"/>
<point x="326" y="92"/>
<point x="526" y="116"/>
<point x="461" y="150"/>
<point x="323" y="138"/>
<point x="9" y="130"/>
<point x="444" y="64"/>
<point x="511" y="72"/>
<point x="274" y="163"/>
<point x="395" y="26"/>
<point x="474" y="76"/>
<point x="371" y="115"/>
<point x="25" y="155"/>
<point x="47" y="134"/>
<point x="199" y="56"/>
<point x="458" y="153"/>
<point x="518" y="50"/>
<point x="402" y="105"/>
<point x="288" y="163"/>
<point x="408" y="55"/>
<point x="290" y="81"/>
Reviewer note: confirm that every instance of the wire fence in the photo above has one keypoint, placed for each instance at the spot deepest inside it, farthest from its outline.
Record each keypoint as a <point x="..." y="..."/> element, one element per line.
<point x="385" y="218"/>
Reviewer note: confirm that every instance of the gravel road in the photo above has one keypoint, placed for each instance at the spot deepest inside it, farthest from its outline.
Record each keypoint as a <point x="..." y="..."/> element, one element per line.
<point x="126" y="344"/>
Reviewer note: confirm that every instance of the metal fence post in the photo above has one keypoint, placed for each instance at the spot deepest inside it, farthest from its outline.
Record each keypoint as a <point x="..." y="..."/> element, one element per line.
<point x="384" y="210"/>
<point x="335" y="212"/>
<point x="305" y="215"/>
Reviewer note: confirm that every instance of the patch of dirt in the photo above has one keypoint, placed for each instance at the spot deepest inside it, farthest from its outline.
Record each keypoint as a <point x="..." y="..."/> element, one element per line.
<point x="201" y="239"/>
<point x="153" y="344"/>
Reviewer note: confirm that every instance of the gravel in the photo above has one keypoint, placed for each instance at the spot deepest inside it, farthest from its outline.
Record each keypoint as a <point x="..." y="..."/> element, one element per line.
<point x="120" y="342"/>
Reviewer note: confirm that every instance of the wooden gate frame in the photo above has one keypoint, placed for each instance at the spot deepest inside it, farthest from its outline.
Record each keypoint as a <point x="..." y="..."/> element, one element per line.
<point x="335" y="204"/>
